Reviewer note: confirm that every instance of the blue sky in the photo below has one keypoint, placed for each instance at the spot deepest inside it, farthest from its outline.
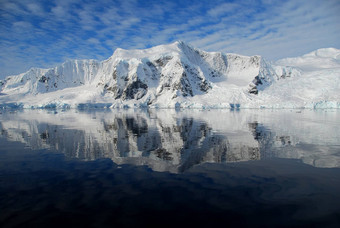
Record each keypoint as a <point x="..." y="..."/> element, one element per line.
<point x="44" y="33"/>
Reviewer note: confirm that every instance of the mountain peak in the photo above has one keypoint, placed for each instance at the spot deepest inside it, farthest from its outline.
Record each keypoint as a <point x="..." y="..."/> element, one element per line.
<point x="164" y="49"/>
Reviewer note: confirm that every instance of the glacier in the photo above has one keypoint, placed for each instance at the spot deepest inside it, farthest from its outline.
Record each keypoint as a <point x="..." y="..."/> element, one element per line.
<point x="178" y="75"/>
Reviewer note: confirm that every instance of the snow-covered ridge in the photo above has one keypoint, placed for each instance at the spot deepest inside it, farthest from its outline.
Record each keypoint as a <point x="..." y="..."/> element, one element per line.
<point x="179" y="75"/>
<point x="324" y="58"/>
<point x="150" y="52"/>
<point x="71" y="73"/>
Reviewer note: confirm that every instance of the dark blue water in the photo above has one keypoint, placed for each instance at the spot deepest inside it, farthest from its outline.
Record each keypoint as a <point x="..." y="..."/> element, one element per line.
<point x="130" y="168"/>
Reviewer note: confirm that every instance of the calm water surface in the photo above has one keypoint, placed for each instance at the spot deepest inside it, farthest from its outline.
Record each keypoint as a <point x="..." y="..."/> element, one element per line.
<point x="128" y="168"/>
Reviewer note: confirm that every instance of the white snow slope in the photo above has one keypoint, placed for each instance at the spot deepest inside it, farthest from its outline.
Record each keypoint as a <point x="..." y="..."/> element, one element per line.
<point x="180" y="76"/>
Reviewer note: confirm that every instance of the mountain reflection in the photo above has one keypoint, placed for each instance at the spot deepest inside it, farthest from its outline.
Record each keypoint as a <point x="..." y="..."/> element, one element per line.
<point x="167" y="140"/>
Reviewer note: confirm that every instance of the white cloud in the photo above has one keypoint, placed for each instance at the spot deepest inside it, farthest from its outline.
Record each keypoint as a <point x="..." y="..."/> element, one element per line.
<point x="58" y="11"/>
<point x="12" y="7"/>
<point x="22" y="25"/>
<point x="36" y="9"/>
<point x="49" y="33"/>
<point x="291" y="28"/>
<point x="224" y="8"/>
<point x="93" y="41"/>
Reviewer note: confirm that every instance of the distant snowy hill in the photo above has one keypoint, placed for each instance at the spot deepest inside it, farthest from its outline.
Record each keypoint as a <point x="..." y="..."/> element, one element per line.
<point x="178" y="75"/>
<point x="324" y="58"/>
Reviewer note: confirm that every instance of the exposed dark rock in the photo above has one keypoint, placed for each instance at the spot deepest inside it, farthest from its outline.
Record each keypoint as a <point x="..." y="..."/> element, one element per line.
<point x="44" y="79"/>
<point x="253" y="90"/>
<point x="184" y="86"/>
<point x="163" y="61"/>
<point x="285" y="75"/>
<point x="117" y="93"/>
<point x="213" y="73"/>
<point x="254" y="153"/>
<point x="135" y="90"/>
<point x="160" y="62"/>
<point x="114" y="74"/>
<point x="163" y="154"/>
<point x="257" y="81"/>
<point x="255" y="60"/>
<point x="204" y="86"/>
<point x="253" y="87"/>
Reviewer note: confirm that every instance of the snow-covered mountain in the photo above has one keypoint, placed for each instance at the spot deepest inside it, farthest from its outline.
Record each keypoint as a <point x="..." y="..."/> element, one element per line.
<point x="178" y="75"/>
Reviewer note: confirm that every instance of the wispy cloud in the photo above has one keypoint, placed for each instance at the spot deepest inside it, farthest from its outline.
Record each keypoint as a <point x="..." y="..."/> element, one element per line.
<point x="44" y="33"/>
<point x="223" y="9"/>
